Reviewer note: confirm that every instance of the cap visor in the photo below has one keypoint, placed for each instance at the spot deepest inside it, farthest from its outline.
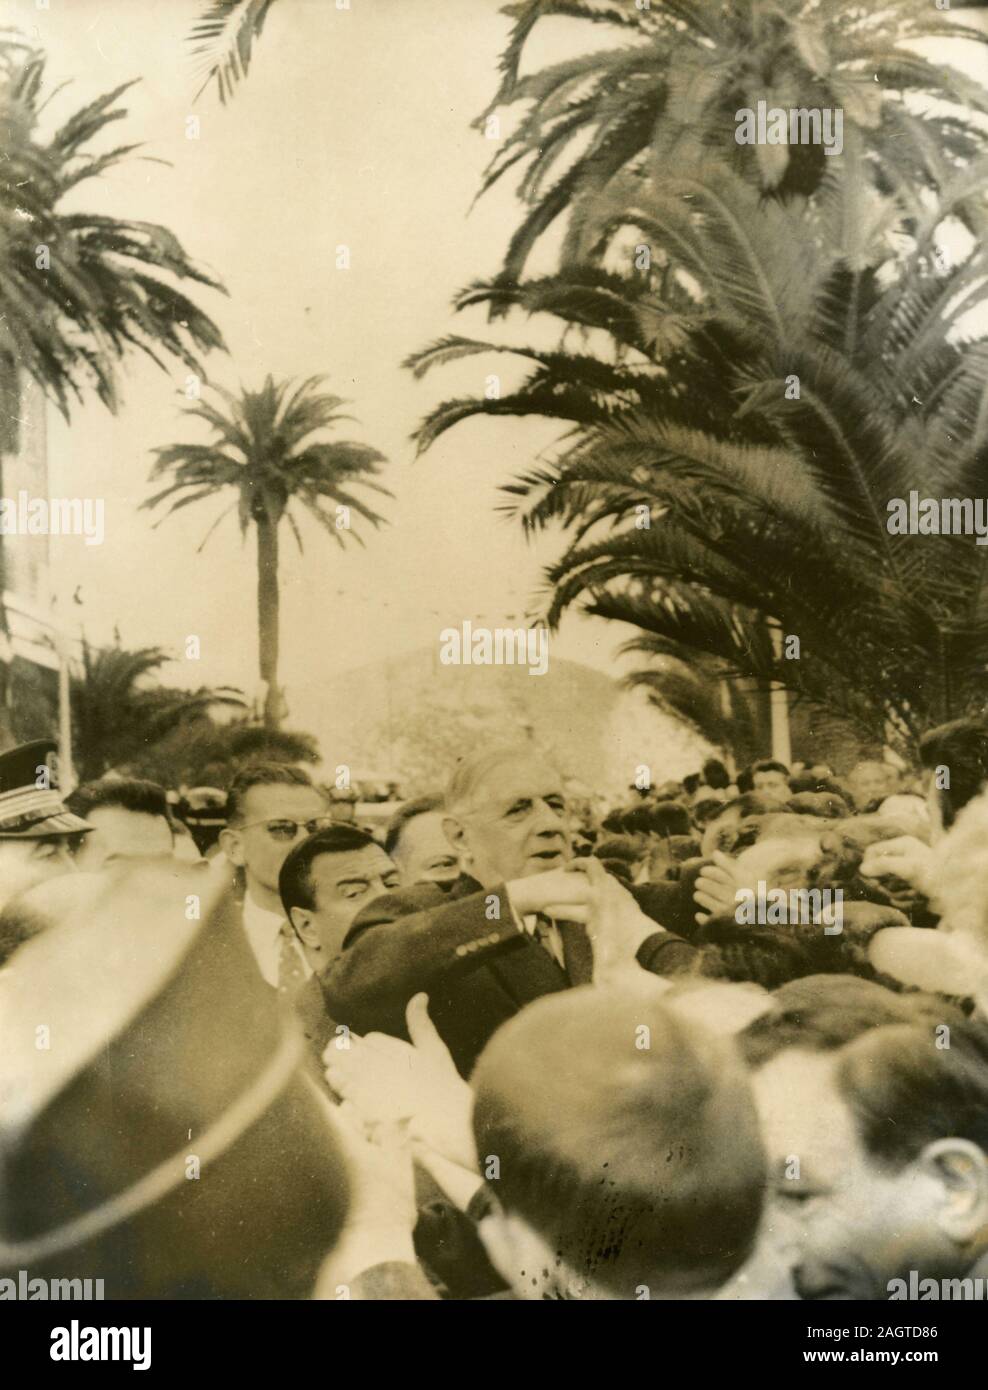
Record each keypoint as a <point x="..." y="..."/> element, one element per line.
<point x="62" y="823"/>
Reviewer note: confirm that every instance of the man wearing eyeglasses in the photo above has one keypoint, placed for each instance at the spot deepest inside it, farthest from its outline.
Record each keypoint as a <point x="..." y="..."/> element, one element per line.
<point x="270" y="808"/>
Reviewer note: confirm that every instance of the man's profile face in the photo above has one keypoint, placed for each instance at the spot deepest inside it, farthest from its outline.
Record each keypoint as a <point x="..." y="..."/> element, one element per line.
<point x="515" y="823"/>
<point x="261" y="848"/>
<point x="341" y="885"/>
<point x="121" y="834"/>
<point x="23" y="863"/>
<point x="423" y="854"/>
<point x="844" y="1225"/>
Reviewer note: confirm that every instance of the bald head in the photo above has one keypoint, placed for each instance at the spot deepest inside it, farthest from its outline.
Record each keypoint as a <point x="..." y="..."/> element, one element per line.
<point x="626" y="1138"/>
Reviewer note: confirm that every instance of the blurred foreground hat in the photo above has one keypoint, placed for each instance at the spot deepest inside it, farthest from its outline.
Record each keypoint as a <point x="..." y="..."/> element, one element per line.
<point x="158" y="1129"/>
<point x="31" y="806"/>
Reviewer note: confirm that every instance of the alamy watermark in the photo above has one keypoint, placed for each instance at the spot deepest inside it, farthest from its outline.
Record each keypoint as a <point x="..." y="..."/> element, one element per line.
<point x="79" y="1343"/>
<point x="52" y="516"/>
<point x="918" y="1290"/>
<point x="27" y="1289"/>
<point x="501" y="646"/>
<point x="800" y="125"/>
<point x="778" y="907"/>
<point x="938" y="516"/>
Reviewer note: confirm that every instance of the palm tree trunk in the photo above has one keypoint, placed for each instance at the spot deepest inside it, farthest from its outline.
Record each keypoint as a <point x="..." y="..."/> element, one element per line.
<point x="267" y="617"/>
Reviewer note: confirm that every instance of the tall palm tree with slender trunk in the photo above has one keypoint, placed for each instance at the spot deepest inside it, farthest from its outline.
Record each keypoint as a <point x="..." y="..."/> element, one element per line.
<point x="79" y="291"/>
<point x="265" y="451"/>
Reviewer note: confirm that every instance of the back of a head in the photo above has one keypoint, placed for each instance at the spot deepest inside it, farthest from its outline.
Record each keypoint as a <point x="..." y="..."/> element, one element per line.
<point x="820" y="1013"/>
<point x="666" y="818"/>
<point x="715" y="774"/>
<point x="423" y="805"/>
<point x="627" y="1139"/>
<point x="132" y="794"/>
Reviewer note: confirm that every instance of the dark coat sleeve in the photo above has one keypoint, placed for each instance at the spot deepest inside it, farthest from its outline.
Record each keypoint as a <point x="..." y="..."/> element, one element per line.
<point x="402" y="944"/>
<point x="671" y="903"/>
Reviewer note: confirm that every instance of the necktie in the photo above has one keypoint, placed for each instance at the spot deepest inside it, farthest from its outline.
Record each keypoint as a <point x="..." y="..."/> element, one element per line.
<point x="291" y="973"/>
<point x="577" y="952"/>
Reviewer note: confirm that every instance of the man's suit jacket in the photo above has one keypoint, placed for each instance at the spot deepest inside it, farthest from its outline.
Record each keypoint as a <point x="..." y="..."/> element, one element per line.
<point x="478" y="970"/>
<point x="318" y="1026"/>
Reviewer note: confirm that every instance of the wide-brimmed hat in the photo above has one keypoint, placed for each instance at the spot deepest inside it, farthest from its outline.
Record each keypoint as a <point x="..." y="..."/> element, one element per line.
<point x="158" y="1127"/>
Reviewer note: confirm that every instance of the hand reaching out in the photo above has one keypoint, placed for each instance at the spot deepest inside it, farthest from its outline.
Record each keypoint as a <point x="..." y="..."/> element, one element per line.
<point x="386" y="1080"/>
<point x="615" y="924"/>
<point x="904" y="858"/>
<point x="716" y="887"/>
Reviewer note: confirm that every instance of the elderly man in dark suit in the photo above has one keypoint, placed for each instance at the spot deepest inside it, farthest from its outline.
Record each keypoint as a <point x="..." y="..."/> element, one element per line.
<point x="509" y="931"/>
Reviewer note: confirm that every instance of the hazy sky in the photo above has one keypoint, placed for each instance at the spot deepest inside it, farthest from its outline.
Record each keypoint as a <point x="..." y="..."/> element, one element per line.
<point x="353" y="127"/>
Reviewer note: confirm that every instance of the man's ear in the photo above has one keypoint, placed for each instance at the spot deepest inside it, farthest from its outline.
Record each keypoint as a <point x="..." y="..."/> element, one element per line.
<point x="960" y="1169"/>
<point x="301" y="920"/>
<point x="232" y="846"/>
<point x="453" y="830"/>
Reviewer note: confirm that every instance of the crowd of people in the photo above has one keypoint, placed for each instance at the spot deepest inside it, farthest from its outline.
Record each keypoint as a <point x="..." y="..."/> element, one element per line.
<point x="725" y="1040"/>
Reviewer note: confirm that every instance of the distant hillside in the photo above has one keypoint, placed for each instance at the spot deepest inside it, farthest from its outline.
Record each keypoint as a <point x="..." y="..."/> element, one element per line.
<point x="412" y="716"/>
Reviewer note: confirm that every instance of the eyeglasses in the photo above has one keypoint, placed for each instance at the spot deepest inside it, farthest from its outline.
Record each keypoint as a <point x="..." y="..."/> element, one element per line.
<point x="287" y="830"/>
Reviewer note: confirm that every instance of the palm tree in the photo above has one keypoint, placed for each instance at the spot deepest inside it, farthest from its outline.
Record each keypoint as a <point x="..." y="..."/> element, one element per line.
<point x="730" y="457"/>
<point x="120" y="713"/>
<point x="223" y="37"/>
<point x="668" y="92"/>
<point x="264" y="451"/>
<point x="79" y="291"/>
<point x="695" y="695"/>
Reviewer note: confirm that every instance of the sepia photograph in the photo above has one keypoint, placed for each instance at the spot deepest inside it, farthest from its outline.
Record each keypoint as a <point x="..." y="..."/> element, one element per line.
<point x="493" y="670"/>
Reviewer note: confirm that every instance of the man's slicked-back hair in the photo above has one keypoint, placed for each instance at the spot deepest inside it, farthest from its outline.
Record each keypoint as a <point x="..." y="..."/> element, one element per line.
<point x="396" y="825"/>
<point x="470" y="771"/>
<point x="261" y="775"/>
<point x="626" y="1137"/>
<point x="295" y="887"/>
<point x="126" y="793"/>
